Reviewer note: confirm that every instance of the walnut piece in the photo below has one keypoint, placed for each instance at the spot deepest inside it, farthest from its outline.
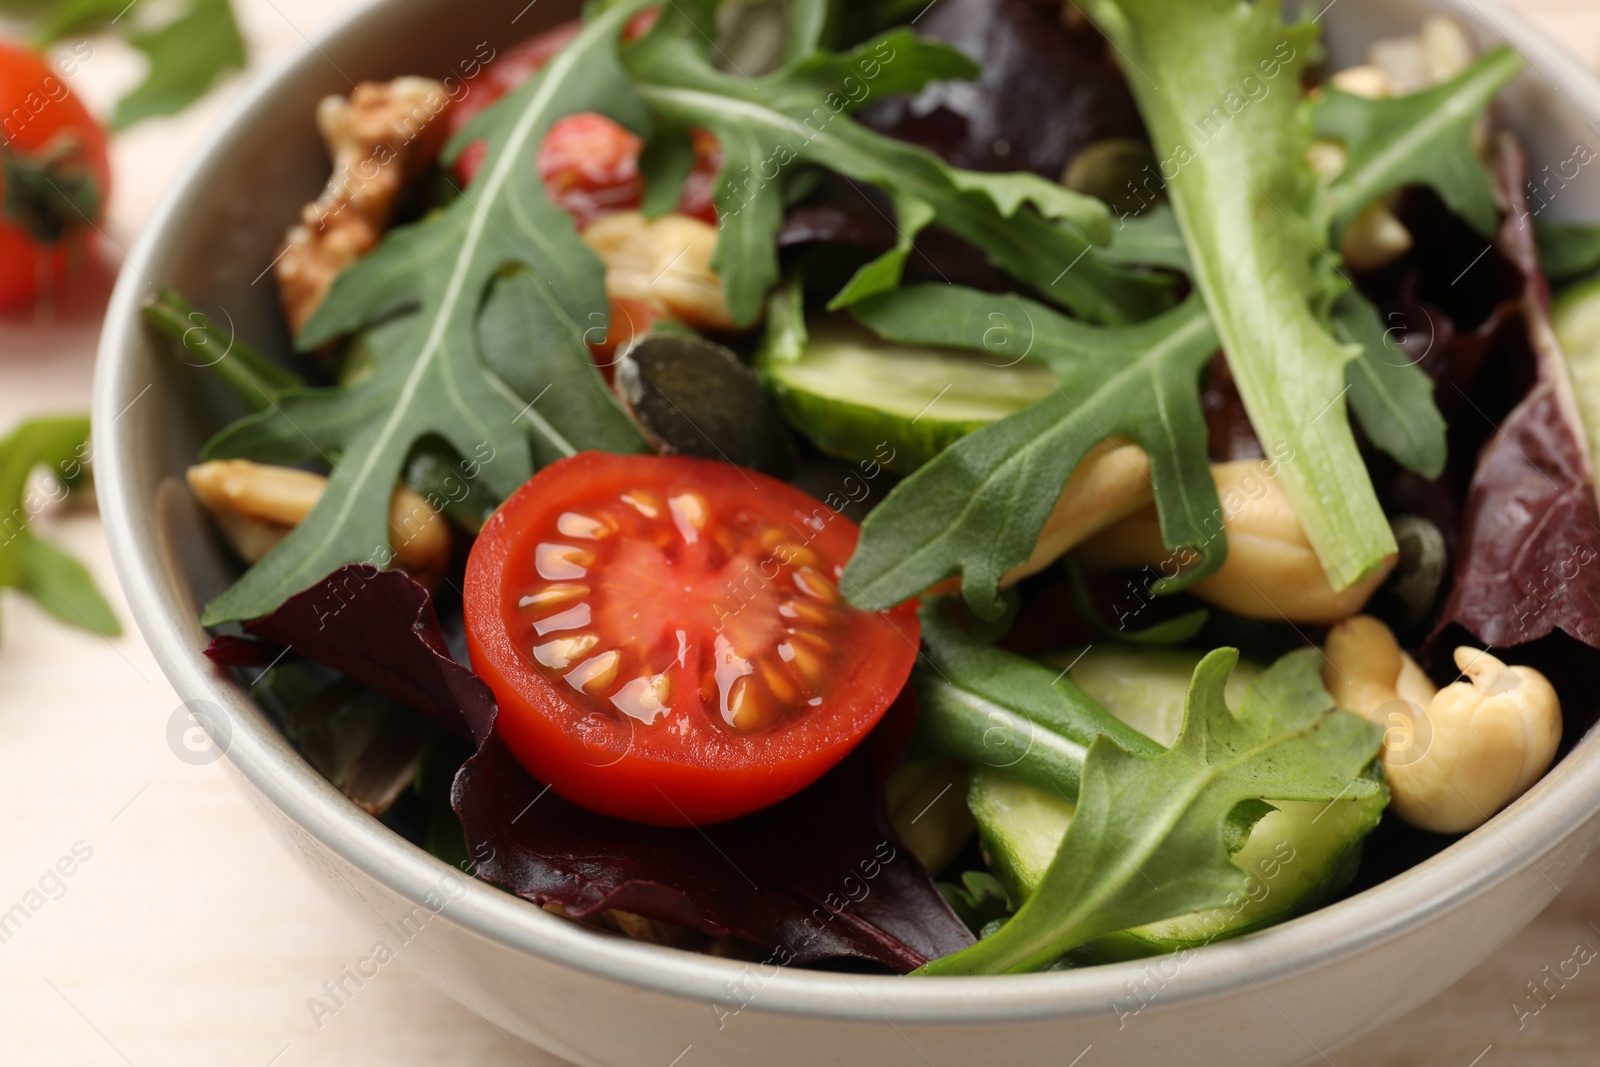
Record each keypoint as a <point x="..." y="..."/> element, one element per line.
<point x="380" y="138"/>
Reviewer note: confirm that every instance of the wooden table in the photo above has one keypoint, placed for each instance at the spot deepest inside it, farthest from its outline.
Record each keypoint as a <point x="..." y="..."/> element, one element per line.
<point x="188" y="937"/>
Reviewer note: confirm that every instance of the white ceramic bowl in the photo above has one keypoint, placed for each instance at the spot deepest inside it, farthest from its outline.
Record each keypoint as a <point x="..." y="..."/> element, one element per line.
<point x="1283" y="996"/>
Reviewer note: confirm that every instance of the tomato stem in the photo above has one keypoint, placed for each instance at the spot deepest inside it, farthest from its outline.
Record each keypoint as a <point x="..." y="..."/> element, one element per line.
<point x="50" y="195"/>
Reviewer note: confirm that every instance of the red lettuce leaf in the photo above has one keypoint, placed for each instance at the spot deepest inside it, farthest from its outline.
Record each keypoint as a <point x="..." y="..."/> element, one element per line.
<point x="1229" y="435"/>
<point x="1049" y="88"/>
<point x="379" y="628"/>
<point x="818" y="877"/>
<point x="1529" y="537"/>
<point x="859" y="220"/>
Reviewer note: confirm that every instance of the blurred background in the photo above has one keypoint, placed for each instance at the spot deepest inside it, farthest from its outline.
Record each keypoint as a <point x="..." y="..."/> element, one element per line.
<point x="183" y="934"/>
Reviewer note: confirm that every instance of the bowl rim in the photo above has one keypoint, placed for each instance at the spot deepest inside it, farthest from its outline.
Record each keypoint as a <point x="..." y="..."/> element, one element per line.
<point x="1532" y="828"/>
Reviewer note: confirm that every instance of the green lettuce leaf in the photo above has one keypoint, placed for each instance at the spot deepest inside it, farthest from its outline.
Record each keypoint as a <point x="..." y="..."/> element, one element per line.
<point x="1227" y="123"/>
<point x="978" y="507"/>
<point x="1153" y="835"/>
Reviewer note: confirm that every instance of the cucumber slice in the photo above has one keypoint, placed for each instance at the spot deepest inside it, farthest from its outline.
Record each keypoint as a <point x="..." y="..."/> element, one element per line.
<point x="1576" y="317"/>
<point x="1296" y="857"/>
<point x="859" y="397"/>
<point x="1145" y="687"/>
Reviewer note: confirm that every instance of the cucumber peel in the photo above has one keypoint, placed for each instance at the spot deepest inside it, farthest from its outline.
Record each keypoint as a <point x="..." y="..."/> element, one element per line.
<point x="1576" y="317"/>
<point x="853" y="394"/>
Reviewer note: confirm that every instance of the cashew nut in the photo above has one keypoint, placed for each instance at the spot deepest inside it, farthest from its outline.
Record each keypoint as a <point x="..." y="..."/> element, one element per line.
<point x="1422" y="60"/>
<point x="1271" y="571"/>
<point x="1367" y="80"/>
<point x="1109" y="484"/>
<point x="1327" y="160"/>
<point x="1453" y="756"/>
<point x="664" y="262"/>
<point x="1375" y="238"/>
<point x="256" y="505"/>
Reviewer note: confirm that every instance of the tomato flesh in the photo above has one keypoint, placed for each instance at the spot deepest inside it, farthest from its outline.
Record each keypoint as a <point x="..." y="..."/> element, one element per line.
<point x="666" y="637"/>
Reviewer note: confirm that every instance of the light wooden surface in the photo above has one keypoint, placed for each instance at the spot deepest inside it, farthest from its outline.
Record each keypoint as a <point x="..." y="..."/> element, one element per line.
<point x="189" y="937"/>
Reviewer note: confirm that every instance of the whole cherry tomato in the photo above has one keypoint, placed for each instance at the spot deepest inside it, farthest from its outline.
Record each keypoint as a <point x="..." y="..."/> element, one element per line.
<point x="54" y="175"/>
<point x="590" y="164"/>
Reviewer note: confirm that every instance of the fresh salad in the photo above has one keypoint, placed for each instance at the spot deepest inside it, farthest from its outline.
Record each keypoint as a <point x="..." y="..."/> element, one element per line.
<point x="967" y="488"/>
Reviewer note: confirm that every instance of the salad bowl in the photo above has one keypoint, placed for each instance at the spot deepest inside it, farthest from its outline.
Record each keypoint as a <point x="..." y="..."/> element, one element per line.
<point x="1290" y="994"/>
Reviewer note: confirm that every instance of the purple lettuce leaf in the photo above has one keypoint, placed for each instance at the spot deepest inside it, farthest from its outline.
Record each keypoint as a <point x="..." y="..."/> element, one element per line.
<point x="378" y="627"/>
<point x="1530" y="530"/>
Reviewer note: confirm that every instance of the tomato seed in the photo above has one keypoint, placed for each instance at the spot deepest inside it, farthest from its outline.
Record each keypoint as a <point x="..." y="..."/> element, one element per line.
<point x="595" y="675"/>
<point x="559" y="653"/>
<point x="556" y="562"/>
<point x="553" y="596"/>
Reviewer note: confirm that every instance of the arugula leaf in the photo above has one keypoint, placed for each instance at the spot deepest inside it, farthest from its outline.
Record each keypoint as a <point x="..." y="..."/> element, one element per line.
<point x="521" y="310"/>
<point x="1040" y="232"/>
<point x="1151" y="835"/>
<point x="664" y="164"/>
<point x="434" y="469"/>
<point x="60" y="584"/>
<point x="1424" y="138"/>
<point x="994" y="708"/>
<point x="978" y="900"/>
<point x="1290" y="361"/>
<point x="429" y="377"/>
<point x="809" y="27"/>
<point x="188" y="53"/>
<point x="1152" y="239"/>
<point x="1178" y="630"/>
<point x="187" y="57"/>
<point x="977" y="508"/>
<point x="253" y="378"/>
<point x="1243" y="195"/>
<point x="1391" y="396"/>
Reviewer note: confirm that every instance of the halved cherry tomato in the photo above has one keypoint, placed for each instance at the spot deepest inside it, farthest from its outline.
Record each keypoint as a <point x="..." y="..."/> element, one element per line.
<point x="589" y="163"/>
<point x="54" y="176"/>
<point x="667" y="640"/>
<point x="590" y="167"/>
